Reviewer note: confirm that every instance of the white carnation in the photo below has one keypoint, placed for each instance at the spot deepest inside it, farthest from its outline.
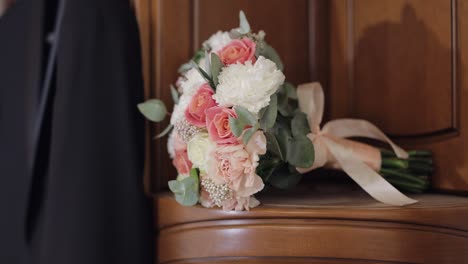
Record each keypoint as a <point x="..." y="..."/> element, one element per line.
<point x="248" y="85"/>
<point x="179" y="109"/>
<point x="191" y="82"/>
<point x="218" y="41"/>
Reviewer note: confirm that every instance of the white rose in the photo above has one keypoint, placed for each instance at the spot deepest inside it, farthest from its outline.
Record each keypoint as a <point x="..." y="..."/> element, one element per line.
<point x="192" y="81"/>
<point x="218" y="41"/>
<point x="179" y="109"/>
<point x="248" y="85"/>
<point x="197" y="150"/>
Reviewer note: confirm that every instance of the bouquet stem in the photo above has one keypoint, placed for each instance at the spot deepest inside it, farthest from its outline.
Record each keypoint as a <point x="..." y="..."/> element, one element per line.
<point x="410" y="174"/>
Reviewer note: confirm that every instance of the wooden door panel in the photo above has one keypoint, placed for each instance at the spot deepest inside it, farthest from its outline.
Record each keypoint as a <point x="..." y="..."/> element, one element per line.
<point x="285" y="23"/>
<point x="400" y="64"/>
<point x="403" y="65"/>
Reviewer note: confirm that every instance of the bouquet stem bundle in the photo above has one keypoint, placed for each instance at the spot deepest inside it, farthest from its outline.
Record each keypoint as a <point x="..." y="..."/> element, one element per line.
<point x="410" y="174"/>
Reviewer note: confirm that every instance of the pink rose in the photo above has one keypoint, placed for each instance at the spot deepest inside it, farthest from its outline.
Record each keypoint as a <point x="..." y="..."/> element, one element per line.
<point x="238" y="50"/>
<point x="202" y="100"/>
<point x="178" y="143"/>
<point x="217" y="123"/>
<point x="181" y="162"/>
<point x="235" y="166"/>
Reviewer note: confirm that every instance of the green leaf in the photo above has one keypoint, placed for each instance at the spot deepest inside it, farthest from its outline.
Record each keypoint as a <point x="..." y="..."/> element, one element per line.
<point x="236" y="126"/>
<point x="164" y="132"/>
<point x="174" y="94"/>
<point x="244" y="26"/>
<point x="194" y="172"/>
<point x="186" y="191"/>
<point x="216" y="66"/>
<point x="290" y="90"/>
<point x="268" y="118"/>
<point x="245" y="116"/>
<point x="273" y="145"/>
<point x="282" y="132"/>
<point x="270" y="53"/>
<point x="301" y="152"/>
<point x="200" y="54"/>
<point x="266" y="166"/>
<point x="283" y="105"/>
<point x="248" y="134"/>
<point x="282" y="178"/>
<point x="244" y="119"/>
<point x="153" y="109"/>
<point x="185" y="67"/>
<point x="205" y="75"/>
<point x="300" y="125"/>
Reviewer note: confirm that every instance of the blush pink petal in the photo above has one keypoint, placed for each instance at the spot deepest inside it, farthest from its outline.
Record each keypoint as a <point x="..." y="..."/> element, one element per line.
<point x="201" y="101"/>
<point x="238" y="51"/>
<point x="217" y="124"/>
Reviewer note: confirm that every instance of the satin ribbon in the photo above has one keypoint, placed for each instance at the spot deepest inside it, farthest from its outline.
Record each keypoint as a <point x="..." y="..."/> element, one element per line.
<point x="331" y="148"/>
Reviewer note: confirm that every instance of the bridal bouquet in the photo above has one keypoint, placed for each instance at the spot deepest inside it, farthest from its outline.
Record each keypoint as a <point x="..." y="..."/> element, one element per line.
<point x="237" y="126"/>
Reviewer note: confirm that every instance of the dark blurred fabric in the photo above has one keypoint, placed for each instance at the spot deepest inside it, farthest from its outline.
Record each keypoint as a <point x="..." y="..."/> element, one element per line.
<point x="82" y="201"/>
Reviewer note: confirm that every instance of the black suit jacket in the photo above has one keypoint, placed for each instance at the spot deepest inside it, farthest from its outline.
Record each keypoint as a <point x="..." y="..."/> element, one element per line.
<point x="82" y="200"/>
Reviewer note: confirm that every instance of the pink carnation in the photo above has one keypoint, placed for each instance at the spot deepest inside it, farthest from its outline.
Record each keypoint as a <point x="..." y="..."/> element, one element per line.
<point x="202" y="100"/>
<point x="235" y="166"/>
<point x="181" y="162"/>
<point x="238" y="50"/>
<point x="217" y="123"/>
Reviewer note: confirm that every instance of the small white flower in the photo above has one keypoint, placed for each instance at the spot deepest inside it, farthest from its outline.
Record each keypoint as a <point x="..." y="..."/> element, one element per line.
<point x="248" y="85"/>
<point x="217" y="41"/>
<point x="197" y="150"/>
<point x="179" y="109"/>
<point x="192" y="81"/>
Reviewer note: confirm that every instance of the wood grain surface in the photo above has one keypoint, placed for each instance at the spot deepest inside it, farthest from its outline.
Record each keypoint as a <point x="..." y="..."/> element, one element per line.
<point x="302" y="227"/>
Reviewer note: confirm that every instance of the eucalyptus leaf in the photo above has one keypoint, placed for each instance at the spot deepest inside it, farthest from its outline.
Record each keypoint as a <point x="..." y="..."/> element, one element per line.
<point x="174" y="94"/>
<point x="268" y="118"/>
<point x="216" y="66"/>
<point x="245" y="116"/>
<point x="236" y="126"/>
<point x="208" y="63"/>
<point x="248" y="134"/>
<point x="300" y="125"/>
<point x="186" y="191"/>
<point x="273" y="145"/>
<point x="200" y="54"/>
<point x="244" y="26"/>
<point x="282" y="178"/>
<point x="267" y="166"/>
<point x="153" y="109"/>
<point x="283" y="105"/>
<point x="185" y="67"/>
<point x="205" y="75"/>
<point x="282" y="132"/>
<point x="164" y="132"/>
<point x="290" y="90"/>
<point x="270" y="53"/>
<point x="301" y="152"/>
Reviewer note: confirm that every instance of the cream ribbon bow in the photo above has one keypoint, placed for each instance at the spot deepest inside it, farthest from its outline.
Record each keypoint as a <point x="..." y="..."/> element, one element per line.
<point x="332" y="149"/>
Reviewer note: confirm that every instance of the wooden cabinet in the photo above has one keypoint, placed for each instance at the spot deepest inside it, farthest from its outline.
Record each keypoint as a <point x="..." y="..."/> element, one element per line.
<point x="310" y="226"/>
<point x="401" y="64"/>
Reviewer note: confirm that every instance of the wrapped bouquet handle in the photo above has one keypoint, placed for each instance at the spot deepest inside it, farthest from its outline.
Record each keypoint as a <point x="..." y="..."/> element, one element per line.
<point x="360" y="161"/>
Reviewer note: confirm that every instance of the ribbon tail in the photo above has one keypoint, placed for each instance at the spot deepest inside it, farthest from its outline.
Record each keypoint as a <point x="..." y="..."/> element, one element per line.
<point x="369" y="180"/>
<point x="344" y="128"/>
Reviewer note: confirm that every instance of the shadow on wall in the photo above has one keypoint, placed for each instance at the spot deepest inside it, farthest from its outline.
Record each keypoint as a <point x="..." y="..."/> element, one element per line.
<point x="402" y="81"/>
<point x="405" y="70"/>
